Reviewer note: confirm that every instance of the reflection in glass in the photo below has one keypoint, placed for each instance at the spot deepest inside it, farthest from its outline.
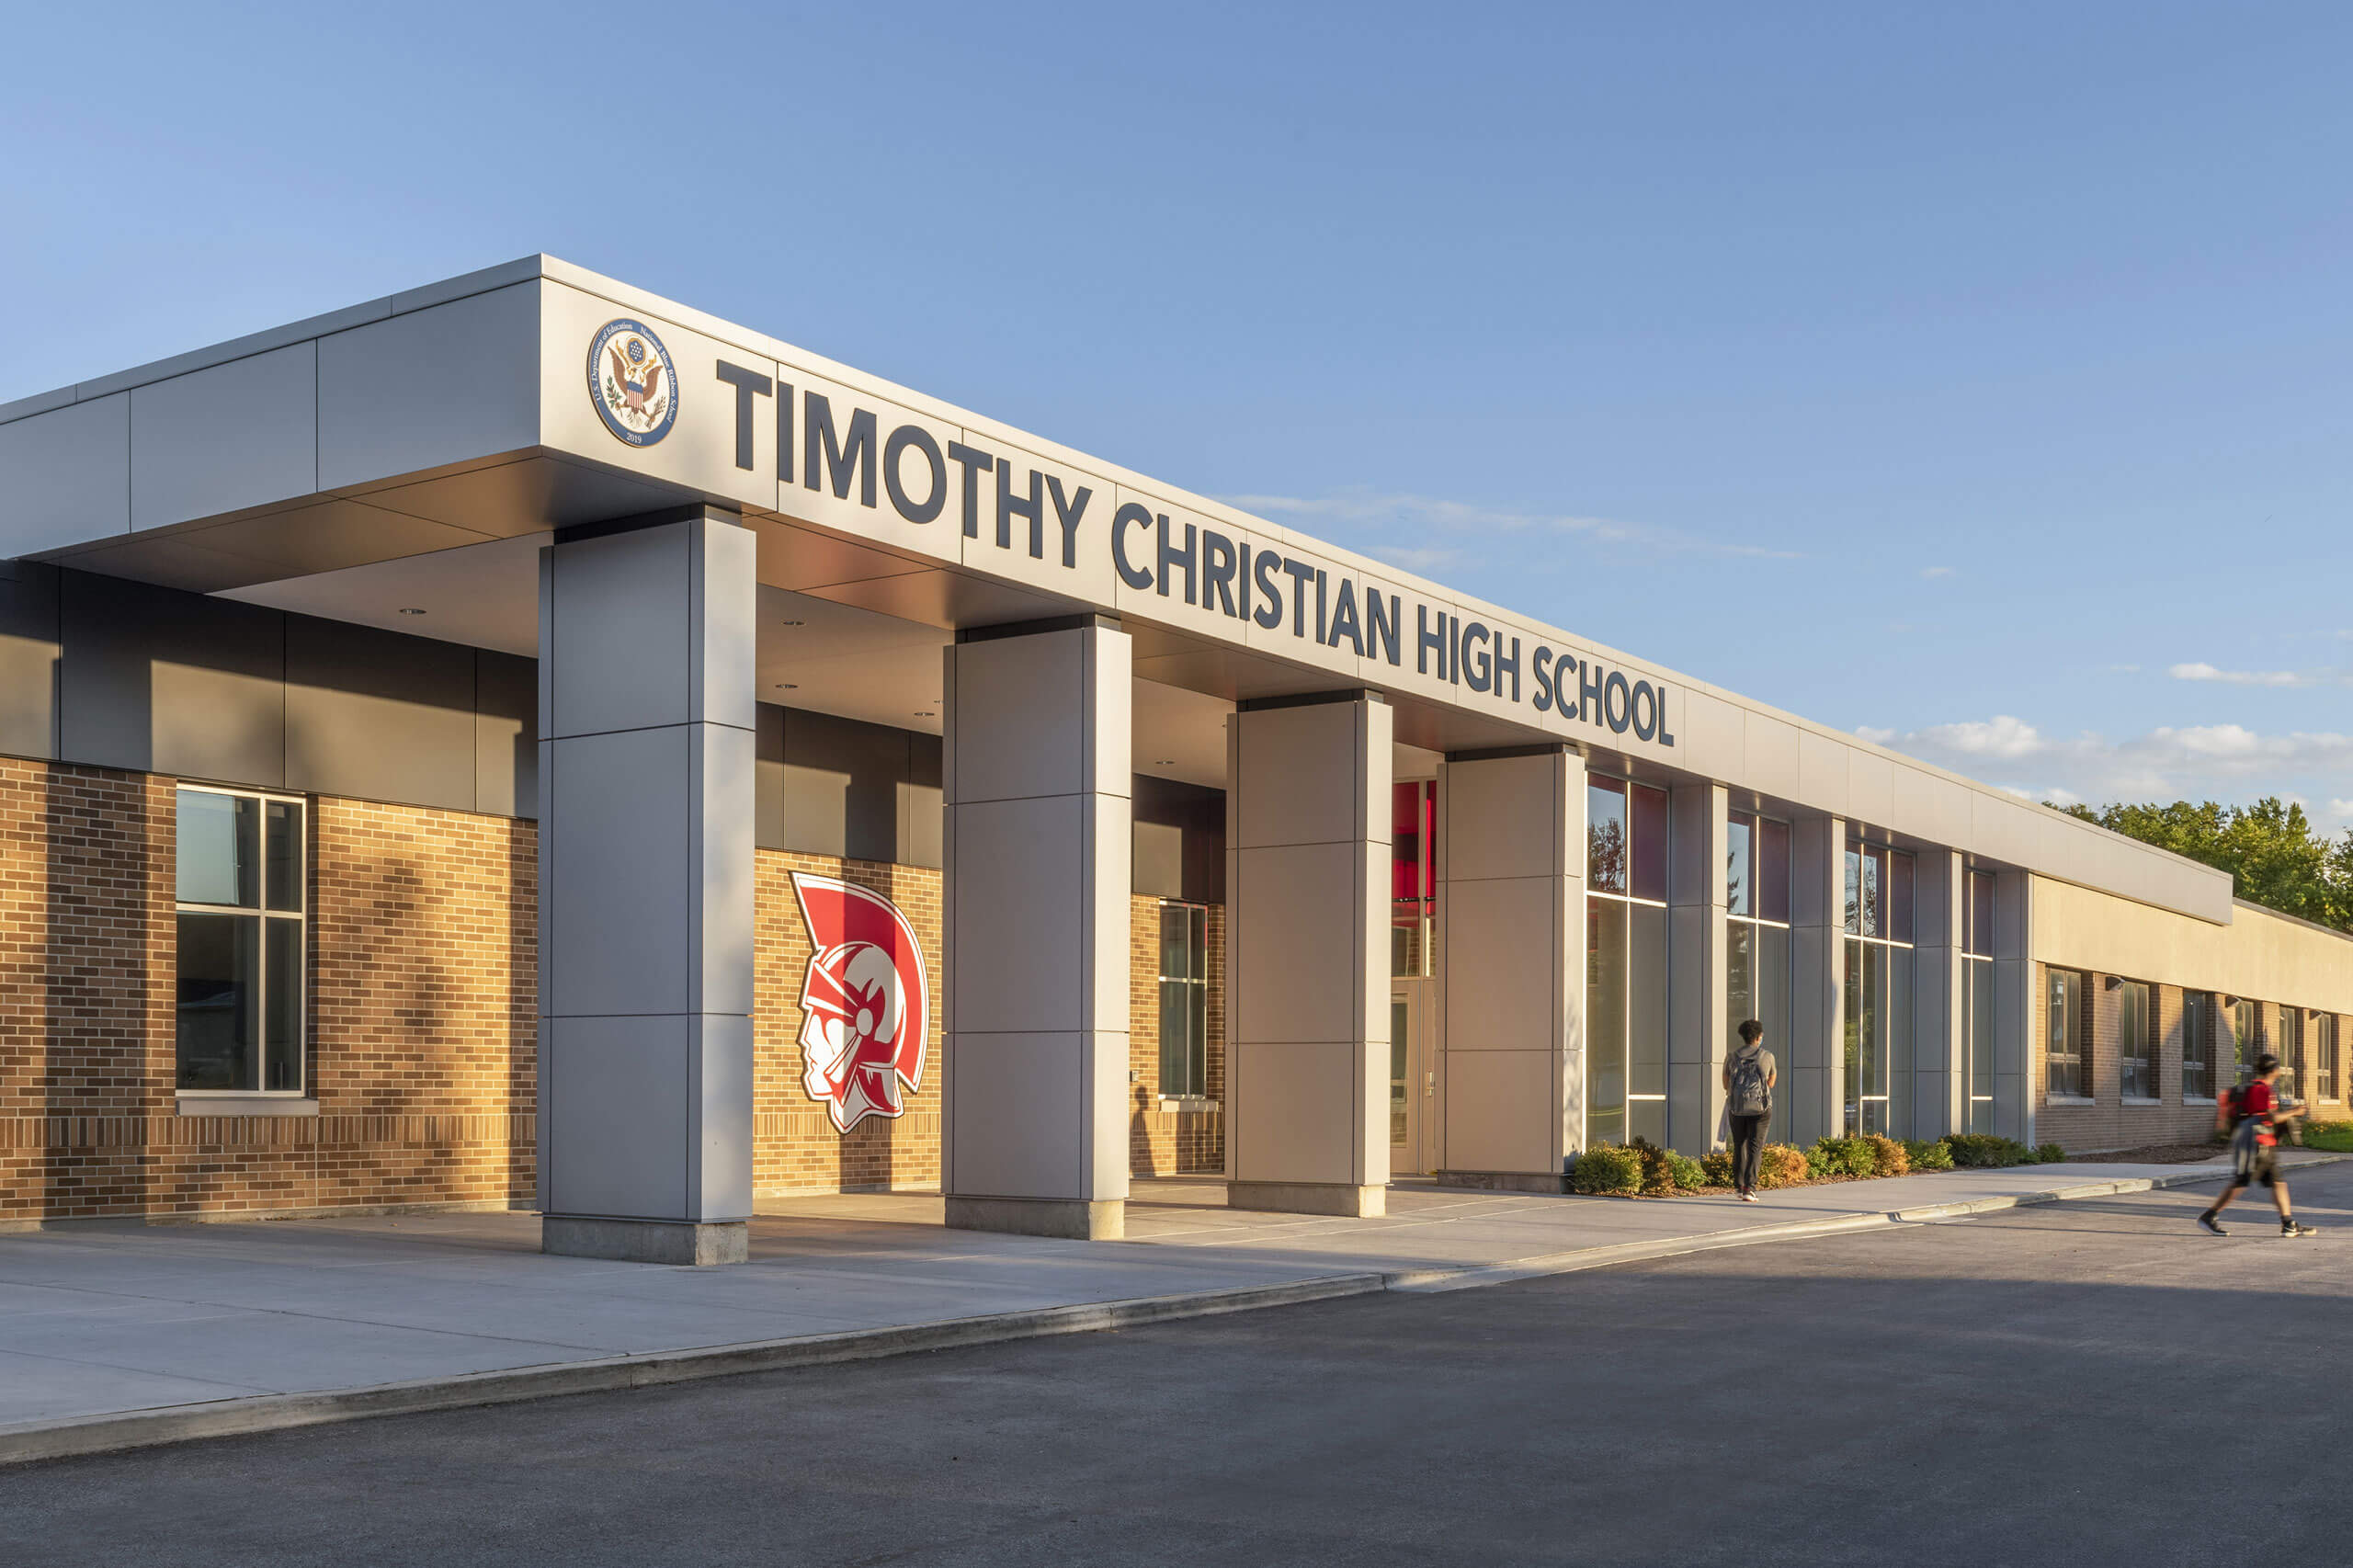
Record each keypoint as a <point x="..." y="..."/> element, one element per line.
<point x="218" y="849"/>
<point x="1647" y="874"/>
<point x="1740" y="892"/>
<point x="282" y="1030"/>
<point x="217" y="980"/>
<point x="1605" y="998"/>
<point x="1978" y="1032"/>
<point x="1740" y="978"/>
<point x="1647" y="1001"/>
<point x="284" y="855"/>
<point x="1606" y="842"/>
<point x="1772" y="862"/>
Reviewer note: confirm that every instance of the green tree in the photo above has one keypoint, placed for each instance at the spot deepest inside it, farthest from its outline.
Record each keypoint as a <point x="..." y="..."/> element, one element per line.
<point x="2269" y="849"/>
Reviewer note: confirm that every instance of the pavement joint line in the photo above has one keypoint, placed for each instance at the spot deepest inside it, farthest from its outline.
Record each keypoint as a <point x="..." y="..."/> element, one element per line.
<point x="28" y="1441"/>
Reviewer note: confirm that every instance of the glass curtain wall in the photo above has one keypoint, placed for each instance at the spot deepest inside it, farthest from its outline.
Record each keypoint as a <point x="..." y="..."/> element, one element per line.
<point x="1756" y="928"/>
<point x="1413" y="877"/>
<point x="1626" y="933"/>
<point x="1879" y="990"/>
<point x="1977" y="1006"/>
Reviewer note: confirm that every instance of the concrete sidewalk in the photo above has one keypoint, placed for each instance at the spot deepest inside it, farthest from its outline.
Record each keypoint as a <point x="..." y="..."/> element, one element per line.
<point x="116" y="1335"/>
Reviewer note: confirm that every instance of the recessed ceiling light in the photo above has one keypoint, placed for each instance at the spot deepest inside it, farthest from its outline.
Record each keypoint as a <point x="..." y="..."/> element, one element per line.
<point x="788" y="623"/>
<point x="788" y="685"/>
<point x="412" y="611"/>
<point x="1164" y="762"/>
<point x="926" y="715"/>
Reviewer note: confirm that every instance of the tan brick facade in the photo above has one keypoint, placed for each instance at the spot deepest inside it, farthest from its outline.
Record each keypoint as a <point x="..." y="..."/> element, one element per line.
<point x="2110" y="1121"/>
<point x="421" y="999"/>
<point x="420" y="1008"/>
<point x="1172" y="1137"/>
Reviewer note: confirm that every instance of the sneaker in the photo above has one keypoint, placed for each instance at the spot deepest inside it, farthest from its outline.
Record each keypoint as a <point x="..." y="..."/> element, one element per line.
<point x="2292" y="1228"/>
<point x="1748" y="1198"/>
<point x="2211" y="1223"/>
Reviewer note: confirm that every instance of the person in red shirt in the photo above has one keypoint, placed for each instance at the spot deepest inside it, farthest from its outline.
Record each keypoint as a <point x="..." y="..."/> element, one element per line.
<point x="2251" y="1114"/>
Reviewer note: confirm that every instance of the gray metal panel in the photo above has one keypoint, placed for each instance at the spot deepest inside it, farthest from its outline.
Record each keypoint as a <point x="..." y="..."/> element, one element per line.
<point x="768" y="779"/>
<point x="379" y="716"/>
<point x="28" y="659"/>
<point x="841" y="785"/>
<point x="162" y="681"/>
<point x="430" y="388"/>
<point x="506" y="734"/>
<point x="239" y="435"/>
<point x="922" y="818"/>
<point x="69" y="476"/>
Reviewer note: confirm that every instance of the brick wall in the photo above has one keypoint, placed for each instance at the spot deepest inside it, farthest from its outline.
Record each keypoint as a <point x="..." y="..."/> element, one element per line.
<point x="1172" y="1137"/>
<point x="2113" y="1122"/>
<point x="795" y="1147"/>
<point x="420" y="1007"/>
<point x="422" y="1002"/>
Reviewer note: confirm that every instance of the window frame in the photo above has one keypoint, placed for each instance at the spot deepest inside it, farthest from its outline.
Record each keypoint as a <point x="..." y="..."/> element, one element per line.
<point x="1873" y="875"/>
<point x="2150" y="1062"/>
<point x="2326" y="1088"/>
<point x="2209" y="1007"/>
<point x="1978" y="894"/>
<point x="1637" y="886"/>
<point x="2079" y="1056"/>
<point x="262" y="915"/>
<point x="1196" y="990"/>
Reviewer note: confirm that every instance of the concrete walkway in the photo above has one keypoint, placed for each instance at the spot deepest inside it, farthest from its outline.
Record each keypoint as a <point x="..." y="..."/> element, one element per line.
<point x="116" y="1336"/>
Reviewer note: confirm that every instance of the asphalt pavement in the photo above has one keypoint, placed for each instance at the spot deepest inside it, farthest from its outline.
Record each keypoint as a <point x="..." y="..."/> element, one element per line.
<point x="2089" y="1383"/>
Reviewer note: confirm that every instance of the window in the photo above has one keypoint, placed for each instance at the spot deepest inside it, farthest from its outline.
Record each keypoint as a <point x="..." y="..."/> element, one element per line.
<point x="1184" y="999"/>
<point x="2136" y="1056"/>
<point x="1977" y="1004"/>
<point x="1879" y="990"/>
<point x="2246" y="1035"/>
<point x="1626" y="934"/>
<point x="2062" y="1044"/>
<point x="1413" y="876"/>
<point x="2197" y="1045"/>
<point x="2324" y="1057"/>
<point x="239" y="1007"/>
<point x="1757" y="927"/>
<point x="2291" y="1049"/>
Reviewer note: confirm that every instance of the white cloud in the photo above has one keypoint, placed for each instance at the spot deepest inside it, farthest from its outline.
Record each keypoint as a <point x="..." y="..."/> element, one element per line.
<point x="2238" y="677"/>
<point x="1374" y="510"/>
<point x="1936" y="571"/>
<point x="2222" y="762"/>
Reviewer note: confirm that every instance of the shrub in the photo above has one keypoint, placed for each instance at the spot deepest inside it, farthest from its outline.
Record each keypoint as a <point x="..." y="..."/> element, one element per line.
<point x="2337" y="1137"/>
<point x="2049" y="1155"/>
<point x="1664" y="1170"/>
<point x="1933" y="1155"/>
<point x="1888" y="1157"/>
<point x="1606" y="1168"/>
<point x="1779" y="1165"/>
<point x="1717" y="1167"/>
<point x="1833" y="1158"/>
<point x="1690" y="1174"/>
<point x="1984" y="1150"/>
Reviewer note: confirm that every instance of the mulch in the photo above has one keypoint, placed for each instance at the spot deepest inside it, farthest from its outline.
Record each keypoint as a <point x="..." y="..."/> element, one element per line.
<point x="2154" y="1155"/>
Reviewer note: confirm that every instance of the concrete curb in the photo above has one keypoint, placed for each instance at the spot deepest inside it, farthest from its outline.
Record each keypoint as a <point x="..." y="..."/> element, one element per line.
<point x="25" y="1441"/>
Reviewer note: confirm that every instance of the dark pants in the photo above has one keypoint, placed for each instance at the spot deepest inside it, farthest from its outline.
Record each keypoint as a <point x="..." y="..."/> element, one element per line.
<point x="1748" y="1144"/>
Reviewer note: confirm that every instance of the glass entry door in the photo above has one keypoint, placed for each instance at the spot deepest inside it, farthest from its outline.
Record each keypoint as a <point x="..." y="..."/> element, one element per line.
<point x="1412" y="1079"/>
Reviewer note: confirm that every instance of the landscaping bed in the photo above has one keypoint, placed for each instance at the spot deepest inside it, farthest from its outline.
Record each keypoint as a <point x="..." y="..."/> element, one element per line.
<point x="1642" y="1169"/>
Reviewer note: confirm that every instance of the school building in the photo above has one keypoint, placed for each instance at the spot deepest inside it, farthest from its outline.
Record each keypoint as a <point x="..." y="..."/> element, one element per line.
<point x="526" y="742"/>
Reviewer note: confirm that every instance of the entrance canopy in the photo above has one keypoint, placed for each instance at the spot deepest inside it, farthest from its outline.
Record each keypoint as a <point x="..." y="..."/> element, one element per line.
<point x="412" y="454"/>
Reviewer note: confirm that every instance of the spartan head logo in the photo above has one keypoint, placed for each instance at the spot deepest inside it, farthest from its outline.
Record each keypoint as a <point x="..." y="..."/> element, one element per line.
<point x="866" y="1005"/>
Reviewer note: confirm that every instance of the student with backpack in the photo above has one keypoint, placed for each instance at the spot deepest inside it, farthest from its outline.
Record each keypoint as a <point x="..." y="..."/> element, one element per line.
<point x="2252" y="1114"/>
<point x="1749" y="1074"/>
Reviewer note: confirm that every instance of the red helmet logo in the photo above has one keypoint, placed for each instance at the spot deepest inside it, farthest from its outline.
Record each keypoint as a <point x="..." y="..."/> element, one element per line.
<point x="866" y="1005"/>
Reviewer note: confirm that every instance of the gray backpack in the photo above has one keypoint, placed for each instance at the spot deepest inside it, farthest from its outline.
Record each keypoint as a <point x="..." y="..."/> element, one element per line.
<point x="1751" y="1096"/>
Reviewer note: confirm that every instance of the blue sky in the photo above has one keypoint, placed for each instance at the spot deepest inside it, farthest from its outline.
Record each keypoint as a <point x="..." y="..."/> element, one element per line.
<point x="1977" y="377"/>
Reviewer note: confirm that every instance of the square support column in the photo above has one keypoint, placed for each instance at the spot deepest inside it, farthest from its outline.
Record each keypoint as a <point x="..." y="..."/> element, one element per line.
<point x="1037" y="784"/>
<point x="1511" y="967"/>
<point x="1307" y="954"/>
<point x="1813" y="1070"/>
<point x="1698" y="990"/>
<point x="1939" y="1086"/>
<point x="2015" y="1095"/>
<point x="646" y="749"/>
